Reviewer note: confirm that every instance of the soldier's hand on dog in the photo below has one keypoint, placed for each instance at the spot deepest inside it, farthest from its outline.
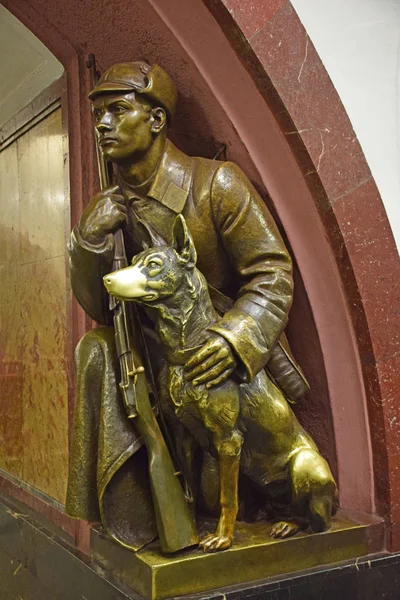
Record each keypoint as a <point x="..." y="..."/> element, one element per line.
<point x="105" y="213"/>
<point x="212" y="364"/>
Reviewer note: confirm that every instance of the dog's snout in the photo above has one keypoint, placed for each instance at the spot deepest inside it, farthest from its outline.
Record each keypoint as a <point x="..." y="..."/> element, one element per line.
<point x="127" y="284"/>
<point x="109" y="282"/>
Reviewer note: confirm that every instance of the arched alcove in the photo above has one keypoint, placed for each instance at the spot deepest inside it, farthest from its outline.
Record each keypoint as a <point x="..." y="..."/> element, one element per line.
<point x="221" y="104"/>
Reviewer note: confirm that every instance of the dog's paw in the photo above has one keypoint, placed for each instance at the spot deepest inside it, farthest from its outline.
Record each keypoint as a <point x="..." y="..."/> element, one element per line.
<point x="214" y="542"/>
<point x="284" y="529"/>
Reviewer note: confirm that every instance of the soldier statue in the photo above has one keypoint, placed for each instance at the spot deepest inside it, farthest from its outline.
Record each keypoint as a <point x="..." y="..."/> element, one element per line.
<point x="248" y="271"/>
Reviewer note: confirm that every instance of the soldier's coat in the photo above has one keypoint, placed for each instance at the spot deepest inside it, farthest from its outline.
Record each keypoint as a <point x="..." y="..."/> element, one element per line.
<point x="241" y="254"/>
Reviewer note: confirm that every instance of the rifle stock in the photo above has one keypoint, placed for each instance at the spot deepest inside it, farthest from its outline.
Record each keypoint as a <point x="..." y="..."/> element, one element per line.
<point x="176" y="526"/>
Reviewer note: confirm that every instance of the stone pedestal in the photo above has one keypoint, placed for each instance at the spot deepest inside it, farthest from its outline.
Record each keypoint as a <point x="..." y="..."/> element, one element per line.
<point x="254" y="556"/>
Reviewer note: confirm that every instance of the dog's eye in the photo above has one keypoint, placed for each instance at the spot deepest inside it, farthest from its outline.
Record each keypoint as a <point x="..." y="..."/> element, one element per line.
<point x="153" y="264"/>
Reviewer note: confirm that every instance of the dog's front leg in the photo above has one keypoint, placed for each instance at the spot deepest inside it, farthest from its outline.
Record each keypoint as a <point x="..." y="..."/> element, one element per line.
<point x="228" y="449"/>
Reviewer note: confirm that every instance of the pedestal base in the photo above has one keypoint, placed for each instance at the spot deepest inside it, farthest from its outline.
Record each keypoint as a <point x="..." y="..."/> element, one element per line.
<point x="254" y="556"/>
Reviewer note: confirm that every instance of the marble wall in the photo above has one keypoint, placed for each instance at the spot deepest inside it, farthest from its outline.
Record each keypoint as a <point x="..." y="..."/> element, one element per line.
<point x="33" y="309"/>
<point x="325" y="145"/>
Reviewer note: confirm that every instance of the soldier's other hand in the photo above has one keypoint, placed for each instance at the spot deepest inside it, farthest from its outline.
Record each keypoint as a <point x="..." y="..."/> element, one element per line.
<point x="104" y="214"/>
<point x="212" y="364"/>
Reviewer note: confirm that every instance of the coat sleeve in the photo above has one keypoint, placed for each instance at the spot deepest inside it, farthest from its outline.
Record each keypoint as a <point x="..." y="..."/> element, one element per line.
<point x="88" y="265"/>
<point x="263" y="265"/>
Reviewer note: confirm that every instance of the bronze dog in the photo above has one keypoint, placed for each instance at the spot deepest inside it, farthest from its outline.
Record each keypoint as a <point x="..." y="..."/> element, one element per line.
<point x="247" y="426"/>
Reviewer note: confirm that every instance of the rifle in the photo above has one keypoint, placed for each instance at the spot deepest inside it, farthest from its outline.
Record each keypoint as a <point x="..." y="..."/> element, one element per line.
<point x="175" y="524"/>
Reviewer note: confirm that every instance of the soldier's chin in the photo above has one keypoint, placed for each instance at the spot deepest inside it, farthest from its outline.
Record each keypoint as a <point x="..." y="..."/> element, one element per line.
<point x="112" y="154"/>
<point x="107" y="150"/>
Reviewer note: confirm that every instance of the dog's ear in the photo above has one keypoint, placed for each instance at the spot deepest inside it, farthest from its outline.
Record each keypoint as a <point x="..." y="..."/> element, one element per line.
<point x="148" y="236"/>
<point x="183" y="242"/>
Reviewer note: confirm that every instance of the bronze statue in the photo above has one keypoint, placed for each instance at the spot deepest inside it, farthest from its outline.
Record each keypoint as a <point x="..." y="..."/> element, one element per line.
<point x="229" y="372"/>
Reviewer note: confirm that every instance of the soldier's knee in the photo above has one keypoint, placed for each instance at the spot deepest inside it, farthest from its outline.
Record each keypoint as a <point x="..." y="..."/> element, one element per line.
<point x="94" y="344"/>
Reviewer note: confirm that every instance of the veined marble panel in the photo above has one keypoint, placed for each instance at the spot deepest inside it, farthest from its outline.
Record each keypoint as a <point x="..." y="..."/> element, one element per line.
<point x="33" y="315"/>
<point x="43" y="310"/>
<point x="9" y="206"/>
<point x="42" y="204"/>
<point x="45" y="429"/>
<point x="11" y="407"/>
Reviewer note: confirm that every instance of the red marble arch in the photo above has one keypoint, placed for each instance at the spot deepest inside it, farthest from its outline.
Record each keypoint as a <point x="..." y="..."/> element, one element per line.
<point x="260" y="93"/>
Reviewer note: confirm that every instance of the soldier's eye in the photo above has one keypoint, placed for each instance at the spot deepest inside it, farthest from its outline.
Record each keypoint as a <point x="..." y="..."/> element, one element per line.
<point x="118" y="109"/>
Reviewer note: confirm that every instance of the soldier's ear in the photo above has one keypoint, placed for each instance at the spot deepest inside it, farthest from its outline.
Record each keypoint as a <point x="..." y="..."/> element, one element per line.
<point x="149" y="238"/>
<point x="159" y="119"/>
<point x="183" y="242"/>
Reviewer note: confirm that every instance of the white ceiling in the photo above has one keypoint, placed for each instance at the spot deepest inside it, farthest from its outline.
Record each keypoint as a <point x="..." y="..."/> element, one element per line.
<point x="26" y="66"/>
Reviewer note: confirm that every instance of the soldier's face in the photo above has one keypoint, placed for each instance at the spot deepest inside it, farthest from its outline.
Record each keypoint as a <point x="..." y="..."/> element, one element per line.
<point x="124" y="126"/>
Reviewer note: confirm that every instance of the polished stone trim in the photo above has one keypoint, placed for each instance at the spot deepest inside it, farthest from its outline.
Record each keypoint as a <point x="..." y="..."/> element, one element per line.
<point x="44" y="104"/>
<point x="15" y="481"/>
<point x="38" y="559"/>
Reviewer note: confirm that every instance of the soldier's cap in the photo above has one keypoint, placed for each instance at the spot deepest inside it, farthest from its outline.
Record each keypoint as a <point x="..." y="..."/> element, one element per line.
<point x="151" y="81"/>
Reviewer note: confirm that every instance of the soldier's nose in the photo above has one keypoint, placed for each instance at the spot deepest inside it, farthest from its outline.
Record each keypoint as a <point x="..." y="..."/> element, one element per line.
<point x="103" y="127"/>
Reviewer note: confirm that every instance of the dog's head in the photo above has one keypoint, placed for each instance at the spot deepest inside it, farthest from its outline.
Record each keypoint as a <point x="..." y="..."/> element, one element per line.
<point x="159" y="271"/>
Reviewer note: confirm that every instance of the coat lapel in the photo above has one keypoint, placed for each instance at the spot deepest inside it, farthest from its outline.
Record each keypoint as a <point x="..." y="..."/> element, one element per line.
<point x="172" y="182"/>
